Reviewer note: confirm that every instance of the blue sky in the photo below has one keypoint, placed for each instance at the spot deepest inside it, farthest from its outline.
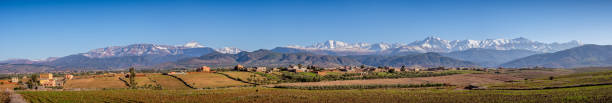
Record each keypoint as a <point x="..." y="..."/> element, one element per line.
<point x="35" y="29"/>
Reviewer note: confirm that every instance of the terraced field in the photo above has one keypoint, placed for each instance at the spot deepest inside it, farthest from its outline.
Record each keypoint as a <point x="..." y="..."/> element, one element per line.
<point x="95" y="83"/>
<point x="595" y="94"/>
<point x="209" y="80"/>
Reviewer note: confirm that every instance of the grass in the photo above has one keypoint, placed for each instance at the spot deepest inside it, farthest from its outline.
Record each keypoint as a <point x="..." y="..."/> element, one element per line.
<point x="559" y="81"/>
<point x="209" y="80"/>
<point x="595" y="94"/>
<point x="167" y="82"/>
<point x="95" y="83"/>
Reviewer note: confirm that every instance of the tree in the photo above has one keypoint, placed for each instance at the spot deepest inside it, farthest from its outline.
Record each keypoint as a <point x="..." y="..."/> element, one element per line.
<point x="551" y="78"/>
<point x="33" y="82"/>
<point x="132" y="78"/>
<point x="362" y="66"/>
<point x="403" y="68"/>
<point x="299" y="65"/>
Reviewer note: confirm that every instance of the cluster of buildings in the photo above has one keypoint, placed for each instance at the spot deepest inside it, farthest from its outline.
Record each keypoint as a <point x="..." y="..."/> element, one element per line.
<point x="47" y="80"/>
<point x="349" y="69"/>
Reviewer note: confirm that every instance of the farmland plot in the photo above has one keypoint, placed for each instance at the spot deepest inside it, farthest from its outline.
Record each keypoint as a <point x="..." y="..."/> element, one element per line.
<point x="593" y="94"/>
<point x="95" y="83"/>
<point x="209" y="80"/>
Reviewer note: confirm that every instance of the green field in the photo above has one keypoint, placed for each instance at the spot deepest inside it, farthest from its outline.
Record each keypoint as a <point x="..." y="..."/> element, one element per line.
<point x="598" y="94"/>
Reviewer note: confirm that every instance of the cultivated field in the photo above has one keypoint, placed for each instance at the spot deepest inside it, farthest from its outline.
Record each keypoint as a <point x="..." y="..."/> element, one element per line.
<point x="583" y="78"/>
<point x="167" y="82"/>
<point x="597" y="94"/>
<point x="95" y="83"/>
<point x="536" y="73"/>
<point x="244" y="76"/>
<point x="458" y="79"/>
<point x="209" y="80"/>
<point x="142" y="81"/>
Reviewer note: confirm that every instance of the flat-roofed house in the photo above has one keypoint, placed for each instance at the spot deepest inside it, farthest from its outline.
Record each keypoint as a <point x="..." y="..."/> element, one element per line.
<point x="261" y="69"/>
<point x="204" y="69"/>
<point x="14" y="79"/>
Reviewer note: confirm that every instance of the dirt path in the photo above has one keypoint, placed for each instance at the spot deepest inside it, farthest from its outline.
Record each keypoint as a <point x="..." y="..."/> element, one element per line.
<point x="14" y="97"/>
<point x="459" y="79"/>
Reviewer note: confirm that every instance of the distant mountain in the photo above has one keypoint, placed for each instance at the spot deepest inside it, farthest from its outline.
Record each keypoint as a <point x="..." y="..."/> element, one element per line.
<point x="431" y="44"/>
<point x="117" y="57"/>
<point x="191" y="48"/>
<point x="323" y="51"/>
<point x="24" y="68"/>
<point x="18" y="61"/>
<point x="265" y="58"/>
<point x="489" y="57"/>
<point x="425" y="59"/>
<point x="583" y="56"/>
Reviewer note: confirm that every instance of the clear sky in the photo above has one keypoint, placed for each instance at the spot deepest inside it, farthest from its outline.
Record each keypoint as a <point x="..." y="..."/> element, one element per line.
<point x="47" y="28"/>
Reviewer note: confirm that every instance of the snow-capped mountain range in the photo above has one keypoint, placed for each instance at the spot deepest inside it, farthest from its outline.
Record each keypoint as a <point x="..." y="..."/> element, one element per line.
<point x="435" y="44"/>
<point x="150" y="49"/>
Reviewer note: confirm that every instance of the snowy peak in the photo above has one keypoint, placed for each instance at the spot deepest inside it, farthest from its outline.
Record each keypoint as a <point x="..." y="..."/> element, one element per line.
<point x="436" y="44"/>
<point x="333" y="44"/>
<point x="343" y="46"/>
<point x="193" y="44"/>
<point x="229" y="50"/>
<point x="140" y="50"/>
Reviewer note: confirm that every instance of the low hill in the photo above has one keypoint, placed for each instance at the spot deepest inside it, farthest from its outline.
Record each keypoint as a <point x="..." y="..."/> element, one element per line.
<point x="583" y="56"/>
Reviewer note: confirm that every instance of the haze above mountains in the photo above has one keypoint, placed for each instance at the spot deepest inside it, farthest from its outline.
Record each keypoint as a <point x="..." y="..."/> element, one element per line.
<point x="429" y="52"/>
